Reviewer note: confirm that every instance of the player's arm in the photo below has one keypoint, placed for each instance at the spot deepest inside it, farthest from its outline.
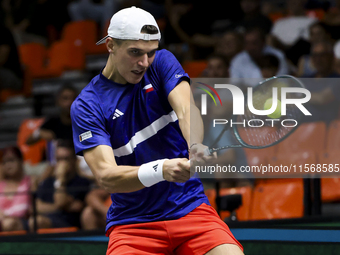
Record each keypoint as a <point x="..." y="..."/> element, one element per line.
<point x="124" y="179"/>
<point x="182" y="101"/>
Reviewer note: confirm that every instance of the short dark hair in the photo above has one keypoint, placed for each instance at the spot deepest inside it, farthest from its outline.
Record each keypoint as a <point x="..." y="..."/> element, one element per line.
<point x="220" y="57"/>
<point x="15" y="150"/>
<point x="269" y="61"/>
<point x="149" y="29"/>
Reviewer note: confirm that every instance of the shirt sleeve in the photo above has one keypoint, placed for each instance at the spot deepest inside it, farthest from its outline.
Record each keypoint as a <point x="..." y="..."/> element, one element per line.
<point x="169" y="71"/>
<point x="88" y="124"/>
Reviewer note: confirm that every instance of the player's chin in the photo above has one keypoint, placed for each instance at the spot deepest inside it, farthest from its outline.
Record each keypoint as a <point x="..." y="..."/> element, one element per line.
<point x="134" y="78"/>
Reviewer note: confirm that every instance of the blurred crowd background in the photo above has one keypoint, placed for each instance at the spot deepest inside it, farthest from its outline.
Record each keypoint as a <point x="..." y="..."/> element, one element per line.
<point x="48" y="54"/>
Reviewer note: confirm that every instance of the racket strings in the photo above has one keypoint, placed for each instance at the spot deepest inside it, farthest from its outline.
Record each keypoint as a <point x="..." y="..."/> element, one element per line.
<point x="262" y="130"/>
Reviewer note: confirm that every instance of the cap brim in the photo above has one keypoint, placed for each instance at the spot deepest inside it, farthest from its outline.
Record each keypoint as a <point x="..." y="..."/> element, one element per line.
<point x="101" y="41"/>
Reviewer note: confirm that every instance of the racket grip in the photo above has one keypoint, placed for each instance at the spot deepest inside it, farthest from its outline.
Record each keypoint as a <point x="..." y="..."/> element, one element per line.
<point x="207" y="152"/>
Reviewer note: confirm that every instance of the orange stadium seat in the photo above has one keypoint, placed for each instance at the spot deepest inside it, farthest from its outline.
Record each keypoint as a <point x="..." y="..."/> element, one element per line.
<point x="277" y="199"/>
<point x="194" y="68"/>
<point x="330" y="191"/>
<point x="257" y="157"/>
<point x="84" y="34"/>
<point x="333" y="136"/>
<point x="243" y="211"/>
<point x="307" y="137"/>
<point x="33" y="154"/>
<point x="292" y="161"/>
<point x="66" y="56"/>
<point x="8" y="93"/>
<point x="211" y="194"/>
<point x="35" y="56"/>
<point x="330" y="186"/>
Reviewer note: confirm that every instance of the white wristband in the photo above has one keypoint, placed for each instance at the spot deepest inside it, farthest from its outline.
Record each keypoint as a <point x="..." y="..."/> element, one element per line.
<point x="151" y="173"/>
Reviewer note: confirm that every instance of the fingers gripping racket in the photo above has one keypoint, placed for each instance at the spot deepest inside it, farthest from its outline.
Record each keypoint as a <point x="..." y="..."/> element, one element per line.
<point x="261" y="131"/>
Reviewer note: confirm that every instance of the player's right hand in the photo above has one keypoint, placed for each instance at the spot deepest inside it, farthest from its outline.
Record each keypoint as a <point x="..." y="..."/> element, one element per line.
<point x="176" y="170"/>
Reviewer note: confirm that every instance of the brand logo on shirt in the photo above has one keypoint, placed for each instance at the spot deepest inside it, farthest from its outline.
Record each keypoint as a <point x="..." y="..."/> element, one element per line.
<point x="155" y="167"/>
<point x="178" y="75"/>
<point x="85" y="136"/>
<point x="148" y="88"/>
<point x="117" y="114"/>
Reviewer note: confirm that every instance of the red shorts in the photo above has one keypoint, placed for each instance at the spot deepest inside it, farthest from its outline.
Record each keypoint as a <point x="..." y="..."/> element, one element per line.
<point x="196" y="233"/>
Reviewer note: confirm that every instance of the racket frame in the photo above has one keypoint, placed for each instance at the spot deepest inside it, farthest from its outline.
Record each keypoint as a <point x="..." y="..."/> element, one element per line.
<point x="236" y="133"/>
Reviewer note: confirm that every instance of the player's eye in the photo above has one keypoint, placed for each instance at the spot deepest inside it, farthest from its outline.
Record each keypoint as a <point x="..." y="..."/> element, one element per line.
<point x="135" y="52"/>
<point x="151" y="53"/>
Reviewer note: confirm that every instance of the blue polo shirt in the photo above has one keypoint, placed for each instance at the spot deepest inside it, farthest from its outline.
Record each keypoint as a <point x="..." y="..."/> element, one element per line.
<point x="137" y="121"/>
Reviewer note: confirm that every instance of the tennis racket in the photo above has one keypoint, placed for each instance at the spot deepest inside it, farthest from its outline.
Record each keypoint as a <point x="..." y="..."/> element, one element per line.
<point x="268" y="131"/>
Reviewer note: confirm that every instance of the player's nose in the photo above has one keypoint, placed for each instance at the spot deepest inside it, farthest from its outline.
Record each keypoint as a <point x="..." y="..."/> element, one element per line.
<point x="144" y="61"/>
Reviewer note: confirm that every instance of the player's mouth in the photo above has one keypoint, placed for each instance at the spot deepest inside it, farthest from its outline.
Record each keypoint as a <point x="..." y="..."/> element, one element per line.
<point x="138" y="72"/>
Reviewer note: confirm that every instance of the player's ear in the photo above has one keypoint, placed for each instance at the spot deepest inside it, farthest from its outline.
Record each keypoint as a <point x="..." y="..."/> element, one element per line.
<point x="110" y="45"/>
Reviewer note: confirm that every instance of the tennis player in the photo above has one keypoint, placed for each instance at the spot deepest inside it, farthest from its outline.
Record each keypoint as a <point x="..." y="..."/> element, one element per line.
<point x="132" y="125"/>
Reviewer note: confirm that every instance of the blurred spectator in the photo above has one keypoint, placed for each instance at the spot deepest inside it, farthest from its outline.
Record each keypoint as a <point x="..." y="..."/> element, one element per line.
<point x="245" y="64"/>
<point x="337" y="57"/>
<point x="60" y="199"/>
<point x="323" y="58"/>
<point x="100" y="11"/>
<point x="17" y="15"/>
<point x="291" y="33"/>
<point x="230" y="44"/>
<point x="35" y="20"/>
<point x="290" y="29"/>
<point x="186" y="24"/>
<point x="252" y="17"/>
<point x="269" y="66"/>
<point x="318" y="32"/>
<point x="1" y="174"/>
<point x="325" y="102"/>
<point x="14" y="191"/>
<point x="217" y="67"/>
<point x="58" y="127"/>
<point x="332" y="16"/>
<point x="93" y="216"/>
<point x="10" y="69"/>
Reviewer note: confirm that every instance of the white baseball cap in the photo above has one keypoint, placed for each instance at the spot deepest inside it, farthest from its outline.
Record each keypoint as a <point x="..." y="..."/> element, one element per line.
<point x="127" y="25"/>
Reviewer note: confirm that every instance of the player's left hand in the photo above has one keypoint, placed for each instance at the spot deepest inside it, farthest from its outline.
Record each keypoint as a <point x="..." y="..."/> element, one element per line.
<point x="200" y="153"/>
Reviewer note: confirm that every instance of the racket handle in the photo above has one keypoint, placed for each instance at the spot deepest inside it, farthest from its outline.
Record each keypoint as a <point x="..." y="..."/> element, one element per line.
<point x="207" y="152"/>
